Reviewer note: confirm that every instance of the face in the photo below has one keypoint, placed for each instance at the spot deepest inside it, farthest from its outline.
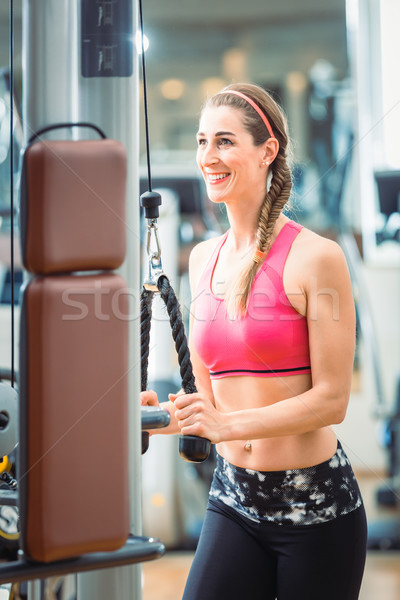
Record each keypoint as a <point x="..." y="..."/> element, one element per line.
<point x="227" y="157"/>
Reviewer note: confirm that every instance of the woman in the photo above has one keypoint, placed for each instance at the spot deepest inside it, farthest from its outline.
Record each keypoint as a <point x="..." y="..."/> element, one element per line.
<point x="272" y="342"/>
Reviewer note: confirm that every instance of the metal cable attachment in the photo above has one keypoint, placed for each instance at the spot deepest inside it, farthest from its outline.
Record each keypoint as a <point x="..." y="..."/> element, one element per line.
<point x="155" y="265"/>
<point x="150" y="201"/>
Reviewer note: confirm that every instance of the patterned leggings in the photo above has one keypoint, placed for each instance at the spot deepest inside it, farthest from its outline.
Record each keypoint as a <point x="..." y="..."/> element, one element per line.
<point x="281" y="535"/>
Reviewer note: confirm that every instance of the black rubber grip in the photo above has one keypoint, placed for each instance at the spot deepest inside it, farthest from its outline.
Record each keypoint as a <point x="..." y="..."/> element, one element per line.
<point x="193" y="448"/>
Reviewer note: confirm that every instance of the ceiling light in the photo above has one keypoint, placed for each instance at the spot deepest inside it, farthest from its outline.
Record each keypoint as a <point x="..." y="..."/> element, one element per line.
<point x="139" y="42"/>
<point x="172" y="89"/>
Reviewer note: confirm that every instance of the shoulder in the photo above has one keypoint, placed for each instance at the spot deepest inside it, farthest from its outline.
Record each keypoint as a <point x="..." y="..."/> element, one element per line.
<point x="199" y="257"/>
<point x="319" y="258"/>
<point x="315" y="250"/>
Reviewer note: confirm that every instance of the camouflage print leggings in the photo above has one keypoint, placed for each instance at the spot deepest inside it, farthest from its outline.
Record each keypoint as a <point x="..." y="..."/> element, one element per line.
<point x="287" y="535"/>
<point x="295" y="497"/>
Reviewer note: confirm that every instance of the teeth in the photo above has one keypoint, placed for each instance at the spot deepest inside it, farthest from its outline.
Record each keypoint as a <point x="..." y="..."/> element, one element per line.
<point x="215" y="177"/>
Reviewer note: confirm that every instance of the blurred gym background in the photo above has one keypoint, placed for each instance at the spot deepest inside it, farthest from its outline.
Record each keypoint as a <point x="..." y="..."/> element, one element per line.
<point x="332" y="64"/>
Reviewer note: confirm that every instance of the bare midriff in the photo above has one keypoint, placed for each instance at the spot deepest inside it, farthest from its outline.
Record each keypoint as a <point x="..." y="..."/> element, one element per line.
<point x="275" y="453"/>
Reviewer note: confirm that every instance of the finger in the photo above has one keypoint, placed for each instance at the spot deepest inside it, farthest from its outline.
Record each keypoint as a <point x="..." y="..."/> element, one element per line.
<point x="187" y="422"/>
<point x="183" y="413"/>
<point x="185" y="400"/>
<point x="148" y="398"/>
<point x="192" y="429"/>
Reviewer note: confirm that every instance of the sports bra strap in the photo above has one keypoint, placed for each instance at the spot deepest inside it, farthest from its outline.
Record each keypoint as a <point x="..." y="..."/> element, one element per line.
<point x="276" y="258"/>
<point x="215" y="253"/>
<point x="277" y="255"/>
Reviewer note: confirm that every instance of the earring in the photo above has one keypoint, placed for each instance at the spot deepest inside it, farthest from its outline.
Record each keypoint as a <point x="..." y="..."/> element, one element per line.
<point x="265" y="163"/>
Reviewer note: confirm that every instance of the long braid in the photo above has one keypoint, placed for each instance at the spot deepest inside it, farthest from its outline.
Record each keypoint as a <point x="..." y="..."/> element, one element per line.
<point x="281" y="184"/>
<point x="275" y="199"/>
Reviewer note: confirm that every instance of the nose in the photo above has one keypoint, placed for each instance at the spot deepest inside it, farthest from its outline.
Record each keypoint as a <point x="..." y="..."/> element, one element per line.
<point x="207" y="155"/>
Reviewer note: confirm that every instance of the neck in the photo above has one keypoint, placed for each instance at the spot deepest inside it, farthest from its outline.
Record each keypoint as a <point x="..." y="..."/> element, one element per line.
<point x="243" y="228"/>
<point x="243" y="221"/>
<point x="243" y="210"/>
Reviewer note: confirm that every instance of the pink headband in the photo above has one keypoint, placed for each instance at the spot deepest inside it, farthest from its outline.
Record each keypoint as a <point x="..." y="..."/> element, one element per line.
<point x="254" y="105"/>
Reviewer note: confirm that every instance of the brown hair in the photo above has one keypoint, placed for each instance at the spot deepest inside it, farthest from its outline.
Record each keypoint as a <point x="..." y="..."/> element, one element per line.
<point x="281" y="184"/>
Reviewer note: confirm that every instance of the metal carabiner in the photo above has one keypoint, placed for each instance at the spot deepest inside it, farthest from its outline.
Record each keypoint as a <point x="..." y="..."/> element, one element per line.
<point x="152" y="226"/>
<point x="155" y="265"/>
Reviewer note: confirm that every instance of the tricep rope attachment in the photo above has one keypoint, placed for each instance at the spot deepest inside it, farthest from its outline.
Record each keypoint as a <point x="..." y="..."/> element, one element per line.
<point x="191" y="448"/>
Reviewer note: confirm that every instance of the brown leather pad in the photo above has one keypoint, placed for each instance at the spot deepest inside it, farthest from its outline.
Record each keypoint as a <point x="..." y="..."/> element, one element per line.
<point x="73" y="206"/>
<point x="74" y="408"/>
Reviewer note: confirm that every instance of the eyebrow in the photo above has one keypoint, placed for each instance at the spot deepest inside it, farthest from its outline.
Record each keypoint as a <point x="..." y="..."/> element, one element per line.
<point x="218" y="134"/>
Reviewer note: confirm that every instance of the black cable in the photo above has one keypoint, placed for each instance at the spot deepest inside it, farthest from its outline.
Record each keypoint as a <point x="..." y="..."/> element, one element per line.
<point x="12" y="187"/>
<point x="146" y="116"/>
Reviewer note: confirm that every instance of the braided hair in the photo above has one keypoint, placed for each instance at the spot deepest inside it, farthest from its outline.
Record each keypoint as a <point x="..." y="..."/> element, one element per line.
<point x="281" y="183"/>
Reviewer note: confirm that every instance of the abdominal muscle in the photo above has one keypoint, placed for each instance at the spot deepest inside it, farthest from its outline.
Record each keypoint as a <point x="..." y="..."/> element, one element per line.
<point x="276" y="453"/>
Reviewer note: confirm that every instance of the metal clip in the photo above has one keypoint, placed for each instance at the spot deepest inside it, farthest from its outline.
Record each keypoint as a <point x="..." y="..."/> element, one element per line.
<point x="155" y="266"/>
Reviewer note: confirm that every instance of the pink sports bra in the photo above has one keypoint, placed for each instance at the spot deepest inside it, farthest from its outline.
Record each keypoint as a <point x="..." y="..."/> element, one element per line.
<point x="271" y="340"/>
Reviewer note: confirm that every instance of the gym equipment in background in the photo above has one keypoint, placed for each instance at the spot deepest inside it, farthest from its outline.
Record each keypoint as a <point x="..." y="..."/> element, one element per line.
<point x="74" y="364"/>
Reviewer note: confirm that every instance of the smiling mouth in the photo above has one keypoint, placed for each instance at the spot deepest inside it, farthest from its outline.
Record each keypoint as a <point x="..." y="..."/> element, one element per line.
<point x="215" y="178"/>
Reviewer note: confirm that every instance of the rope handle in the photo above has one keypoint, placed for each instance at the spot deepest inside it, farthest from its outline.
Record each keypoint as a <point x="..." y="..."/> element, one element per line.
<point x="53" y="126"/>
<point x="191" y="448"/>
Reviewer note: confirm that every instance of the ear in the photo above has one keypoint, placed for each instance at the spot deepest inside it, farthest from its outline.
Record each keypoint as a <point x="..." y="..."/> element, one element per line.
<point x="271" y="149"/>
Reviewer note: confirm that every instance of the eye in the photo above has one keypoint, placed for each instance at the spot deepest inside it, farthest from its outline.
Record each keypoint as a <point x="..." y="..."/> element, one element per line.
<point x="225" y="142"/>
<point x="201" y="142"/>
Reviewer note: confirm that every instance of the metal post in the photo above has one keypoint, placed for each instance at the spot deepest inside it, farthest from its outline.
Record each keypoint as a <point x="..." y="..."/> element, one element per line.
<point x="34" y="591"/>
<point x="112" y="102"/>
<point x="49" y="64"/>
<point x="59" y="87"/>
